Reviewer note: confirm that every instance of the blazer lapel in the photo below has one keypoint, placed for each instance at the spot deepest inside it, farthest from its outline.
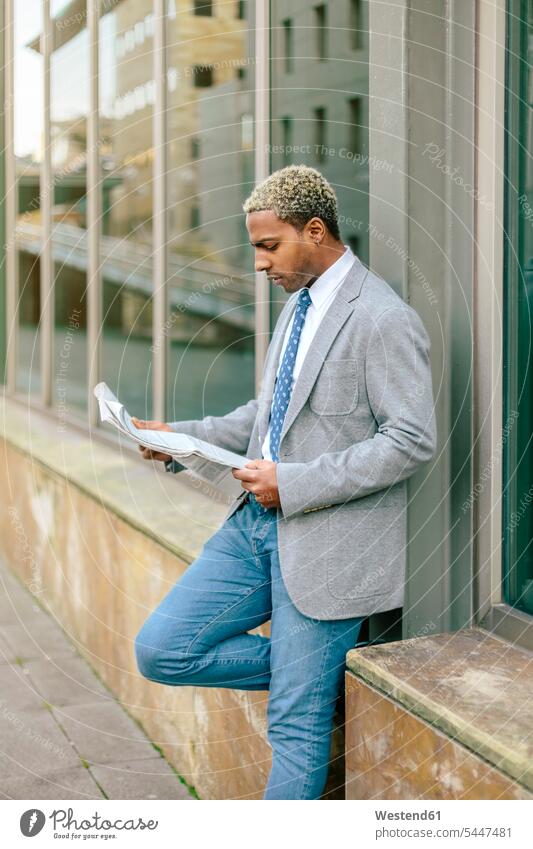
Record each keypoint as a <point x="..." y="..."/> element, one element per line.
<point x="335" y="317"/>
<point x="338" y="312"/>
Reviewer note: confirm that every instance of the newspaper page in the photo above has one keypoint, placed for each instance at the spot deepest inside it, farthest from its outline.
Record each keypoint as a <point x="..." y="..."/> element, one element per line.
<point x="208" y="462"/>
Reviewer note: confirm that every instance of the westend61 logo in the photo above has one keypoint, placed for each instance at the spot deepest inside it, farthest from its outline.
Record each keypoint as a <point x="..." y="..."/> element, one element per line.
<point x="66" y="826"/>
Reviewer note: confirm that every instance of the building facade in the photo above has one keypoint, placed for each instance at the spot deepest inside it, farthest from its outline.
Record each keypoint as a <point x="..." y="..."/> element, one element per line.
<point x="133" y="131"/>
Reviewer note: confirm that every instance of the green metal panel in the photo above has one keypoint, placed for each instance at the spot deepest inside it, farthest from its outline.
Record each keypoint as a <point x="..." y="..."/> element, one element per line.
<point x="517" y="517"/>
<point x="3" y="334"/>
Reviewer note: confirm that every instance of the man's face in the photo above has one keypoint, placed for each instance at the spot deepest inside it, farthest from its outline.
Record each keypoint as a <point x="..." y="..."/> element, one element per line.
<point x="285" y="254"/>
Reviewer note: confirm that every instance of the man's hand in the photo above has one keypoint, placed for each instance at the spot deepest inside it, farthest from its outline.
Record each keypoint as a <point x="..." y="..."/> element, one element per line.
<point x="147" y="453"/>
<point x="259" y="477"/>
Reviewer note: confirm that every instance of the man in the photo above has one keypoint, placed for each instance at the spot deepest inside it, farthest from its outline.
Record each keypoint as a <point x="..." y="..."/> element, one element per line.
<point x="316" y="541"/>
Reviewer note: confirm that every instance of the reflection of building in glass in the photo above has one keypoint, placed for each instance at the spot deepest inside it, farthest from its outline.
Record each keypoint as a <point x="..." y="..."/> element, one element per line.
<point x="206" y="90"/>
<point x="321" y="49"/>
<point x="225" y="169"/>
<point x="210" y="149"/>
<point x="127" y="93"/>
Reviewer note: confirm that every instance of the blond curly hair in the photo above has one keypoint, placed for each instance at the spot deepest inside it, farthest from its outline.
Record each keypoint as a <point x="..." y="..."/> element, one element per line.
<point x="296" y="194"/>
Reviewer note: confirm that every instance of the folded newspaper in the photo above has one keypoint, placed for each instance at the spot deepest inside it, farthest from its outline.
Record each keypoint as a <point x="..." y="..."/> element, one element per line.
<point x="207" y="462"/>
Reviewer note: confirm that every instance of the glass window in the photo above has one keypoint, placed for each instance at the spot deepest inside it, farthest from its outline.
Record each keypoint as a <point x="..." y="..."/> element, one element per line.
<point x="127" y="92"/>
<point x="320" y="133"/>
<point x="356" y="127"/>
<point x="319" y="116"/>
<point x="320" y="109"/>
<point x="287" y="137"/>
<point x="518" y="313"/>
<point x="203" y="76"/>
<point x="355" y="29"/>
<point x="69" y="108"/>
<point x="211" y="321"/>
<point x="28" y="144"/>
<point x="321" y="30"/>
<point x="202" y="7"/>
<point x="195" y="148"/>
<point x="288" y="45"/>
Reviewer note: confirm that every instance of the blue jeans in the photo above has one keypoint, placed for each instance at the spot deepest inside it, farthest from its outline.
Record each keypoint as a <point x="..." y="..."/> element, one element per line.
<point x="198" y="636"/>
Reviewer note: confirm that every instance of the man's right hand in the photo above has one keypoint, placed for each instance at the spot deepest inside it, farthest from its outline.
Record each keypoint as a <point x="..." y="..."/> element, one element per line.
<point x="147" y="453"/>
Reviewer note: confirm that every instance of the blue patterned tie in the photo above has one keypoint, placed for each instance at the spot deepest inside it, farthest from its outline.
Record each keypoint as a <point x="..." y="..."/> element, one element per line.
<point x="283" y="388"/>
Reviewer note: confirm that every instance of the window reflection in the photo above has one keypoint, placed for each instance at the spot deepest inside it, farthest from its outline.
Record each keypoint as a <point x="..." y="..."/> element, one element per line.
<point x="28" y="143"/>
<point x="319" y="117"/>
<point x="127" y="94"/>
<point x="320" y="105"/>
<point x="69" y="108"/>
<point x="211" y="172"/>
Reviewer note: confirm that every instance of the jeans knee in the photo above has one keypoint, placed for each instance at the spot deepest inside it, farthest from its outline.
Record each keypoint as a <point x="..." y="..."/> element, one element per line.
<point x="160" y="663"/>
<point x="147" y="658"/>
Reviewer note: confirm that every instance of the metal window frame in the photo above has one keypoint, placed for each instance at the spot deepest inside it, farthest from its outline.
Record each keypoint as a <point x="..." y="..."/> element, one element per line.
<point x="47" y="199"/>
<point x="160" y="216"/>
<point x="492" y="612"/>
<point x="262" y="170"/>
<point x="94" y="212"/>
<point x="10" y="202"/>
<point x="2" y="210"/>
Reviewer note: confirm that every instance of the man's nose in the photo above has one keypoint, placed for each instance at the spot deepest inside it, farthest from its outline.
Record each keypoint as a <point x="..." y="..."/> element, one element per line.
<point x="261" y="263"/>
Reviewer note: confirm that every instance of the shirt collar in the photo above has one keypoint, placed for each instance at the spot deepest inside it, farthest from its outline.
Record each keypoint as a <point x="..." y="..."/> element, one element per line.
<point x="330" y="279"/>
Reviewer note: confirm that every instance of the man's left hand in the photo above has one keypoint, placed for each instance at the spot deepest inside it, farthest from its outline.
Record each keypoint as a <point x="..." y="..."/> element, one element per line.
<point x="259" y="477"/>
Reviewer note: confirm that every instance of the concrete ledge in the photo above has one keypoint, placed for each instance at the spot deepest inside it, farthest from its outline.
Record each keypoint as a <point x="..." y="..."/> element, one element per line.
<point x="177" y="515"/>
<point x="470" y="685"/>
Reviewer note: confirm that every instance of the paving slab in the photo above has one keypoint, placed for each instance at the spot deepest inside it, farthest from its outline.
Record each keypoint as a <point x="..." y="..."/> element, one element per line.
<point x="104" y="733"/>
<point x="7" y="654"/>
<point x="37" y="638"/>
<point x="33" y="741"/>
<point x="149" y="778"/>
<point x="16" y="605"/>
<point x="75" y="783"/>
<point x="57" y="718"/>
<point x="17" y="690"/>
<point x="64" y="681"/>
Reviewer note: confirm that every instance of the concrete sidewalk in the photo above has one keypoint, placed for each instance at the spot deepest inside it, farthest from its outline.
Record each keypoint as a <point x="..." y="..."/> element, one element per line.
<point x="62" y="733"/>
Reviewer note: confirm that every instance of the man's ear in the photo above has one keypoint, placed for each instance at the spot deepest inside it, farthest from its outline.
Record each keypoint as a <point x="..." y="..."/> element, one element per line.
<point x="316" y="230"/>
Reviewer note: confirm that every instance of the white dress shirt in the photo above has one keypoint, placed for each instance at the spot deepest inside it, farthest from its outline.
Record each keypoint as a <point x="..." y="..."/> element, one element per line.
<point x="322" y="292"/>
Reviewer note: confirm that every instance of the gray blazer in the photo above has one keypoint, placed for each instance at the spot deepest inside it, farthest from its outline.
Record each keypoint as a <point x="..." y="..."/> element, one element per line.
<point x="360" y="421"/>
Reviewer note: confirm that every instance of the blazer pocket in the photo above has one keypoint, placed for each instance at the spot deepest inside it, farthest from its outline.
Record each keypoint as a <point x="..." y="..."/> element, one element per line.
<point x="352" y="554"/>
<point x="336" y="391"/>
<point x="367" y="539"/>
